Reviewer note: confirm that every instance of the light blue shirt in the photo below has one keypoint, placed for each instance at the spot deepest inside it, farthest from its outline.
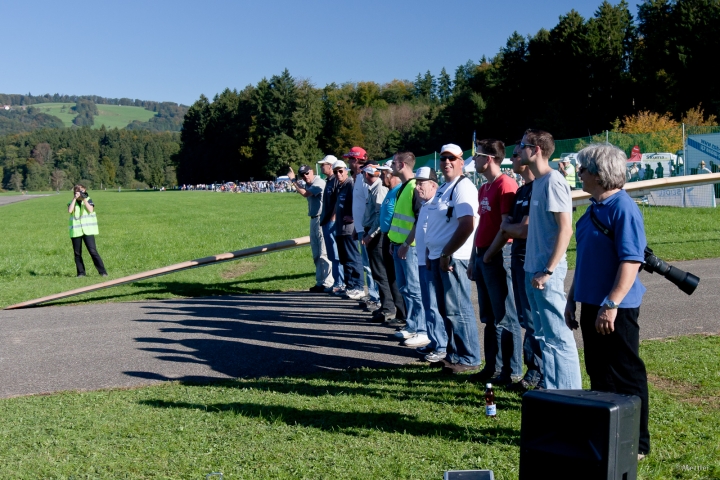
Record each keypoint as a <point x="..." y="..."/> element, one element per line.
<point x="387" y="209"/>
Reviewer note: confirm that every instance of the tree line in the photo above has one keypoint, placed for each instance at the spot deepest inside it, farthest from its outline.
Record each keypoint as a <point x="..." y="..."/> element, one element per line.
<point x="576" y="79"/>
<point x="61" y="157"/>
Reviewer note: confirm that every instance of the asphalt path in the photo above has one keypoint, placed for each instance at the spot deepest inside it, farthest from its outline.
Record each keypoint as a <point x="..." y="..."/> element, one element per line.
<point x="87" y="347"/>
<point x="6" y="200"/>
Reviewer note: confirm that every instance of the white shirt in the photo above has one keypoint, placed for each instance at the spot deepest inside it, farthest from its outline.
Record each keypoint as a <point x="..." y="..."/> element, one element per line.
<point x="439" y="229"/>
<point x="360" y="195"/>
<point x="420" y="230"/>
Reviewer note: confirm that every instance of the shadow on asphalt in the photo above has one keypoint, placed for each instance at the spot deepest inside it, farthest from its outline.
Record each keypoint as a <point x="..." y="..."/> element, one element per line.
<point x="272" y="336"/>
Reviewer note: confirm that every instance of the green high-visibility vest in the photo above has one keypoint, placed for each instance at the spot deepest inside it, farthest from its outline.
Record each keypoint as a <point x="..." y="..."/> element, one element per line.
<point x="570" y="177"/>
<point x="403" y="217"/>
<point x="83" y="222"/>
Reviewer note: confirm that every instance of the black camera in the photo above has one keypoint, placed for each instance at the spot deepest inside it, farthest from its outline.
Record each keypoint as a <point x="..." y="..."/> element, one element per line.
<point x="685" y="281"/>
<point x="84" y="194"/>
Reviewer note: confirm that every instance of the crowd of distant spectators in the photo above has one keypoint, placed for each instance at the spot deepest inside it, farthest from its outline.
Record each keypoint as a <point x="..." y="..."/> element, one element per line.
<point x="282" y="186"/>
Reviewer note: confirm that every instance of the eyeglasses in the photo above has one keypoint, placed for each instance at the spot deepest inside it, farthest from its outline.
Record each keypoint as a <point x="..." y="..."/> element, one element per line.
<point x="581" y="169"/>
<point x="448" y="159"/>
<point x="524" y="145"/>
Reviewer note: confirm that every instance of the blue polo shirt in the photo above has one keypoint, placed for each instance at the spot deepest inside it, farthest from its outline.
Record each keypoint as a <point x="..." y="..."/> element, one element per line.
<point x="598" y="257"/>
<point x="387" y="209"/>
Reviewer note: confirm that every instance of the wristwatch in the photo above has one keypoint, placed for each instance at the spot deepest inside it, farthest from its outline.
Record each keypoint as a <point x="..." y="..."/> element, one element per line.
<point x="405" y="244"/>
<point x="547" y="271"/>
<point x="610" y="304"/>
<point x="445" y="255"/>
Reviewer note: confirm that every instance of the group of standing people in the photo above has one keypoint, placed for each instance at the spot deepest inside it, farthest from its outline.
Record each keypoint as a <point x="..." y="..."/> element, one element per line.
<point x="418" y="246"/>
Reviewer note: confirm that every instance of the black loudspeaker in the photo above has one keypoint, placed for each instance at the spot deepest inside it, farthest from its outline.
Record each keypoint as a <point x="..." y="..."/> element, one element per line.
<point x="579" y="434"/>
<point x="469" y="475"/>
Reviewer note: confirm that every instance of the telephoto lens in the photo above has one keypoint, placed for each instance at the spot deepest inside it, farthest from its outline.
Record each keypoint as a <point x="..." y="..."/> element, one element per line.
<point x="685" y="281"/>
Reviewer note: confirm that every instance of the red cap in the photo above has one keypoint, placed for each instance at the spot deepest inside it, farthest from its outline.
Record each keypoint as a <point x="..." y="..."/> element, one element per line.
<point x="356" y="152"/>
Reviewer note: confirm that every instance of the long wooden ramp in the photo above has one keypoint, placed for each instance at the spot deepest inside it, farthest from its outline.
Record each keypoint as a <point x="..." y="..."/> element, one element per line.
<point x="200" y="262"/>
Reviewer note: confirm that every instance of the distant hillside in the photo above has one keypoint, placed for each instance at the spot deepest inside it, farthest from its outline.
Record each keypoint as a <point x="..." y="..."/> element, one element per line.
<point x="26" y="120"/>
<point x="111" y="112"/>
<point x="112" y="116"/>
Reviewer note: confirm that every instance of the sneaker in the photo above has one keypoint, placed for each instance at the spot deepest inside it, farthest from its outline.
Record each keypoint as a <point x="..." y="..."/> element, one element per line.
<point x="371" y="306"/>
<point x="455" y="368"/>
<point x="403" y="334"/>
<point x="424" y="350"/>
<point x="435" y="357"/>
<point x="418" y="340"/>
<point x="339" y="291"/>
<point x="80" y="275"/>
<point x="520" y="387"/>
<point x="317" y="289"/>
<point x="396" y="322"/>
<point x="380" y="317"/>
<point x="355" y="294"/>
<point x="103" y="274"/>
<point x="483" y="376"/>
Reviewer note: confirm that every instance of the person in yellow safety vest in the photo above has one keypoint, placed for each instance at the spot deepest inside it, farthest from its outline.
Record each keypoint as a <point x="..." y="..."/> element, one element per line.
<point x="402" y="239"/>
<point x="84" y="227"/>
<point x="568" y="171"/>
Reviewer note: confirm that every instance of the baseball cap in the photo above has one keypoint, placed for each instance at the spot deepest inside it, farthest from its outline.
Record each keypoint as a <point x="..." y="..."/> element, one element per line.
<point x="356" y="152"/>
<point x="387" y="166"/>
<point x="426" y="173"/>
<point x="452" y="148"/>
<point x="331" y="159"/>
<point x="339" y="164"/>
<point x="371" y="169"/>
<point x="304" y="169"/>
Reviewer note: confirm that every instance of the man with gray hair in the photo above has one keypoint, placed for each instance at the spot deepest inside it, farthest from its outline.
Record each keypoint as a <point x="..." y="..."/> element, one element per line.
<point x="312" y="189"/>
<point x="327" y="222"/>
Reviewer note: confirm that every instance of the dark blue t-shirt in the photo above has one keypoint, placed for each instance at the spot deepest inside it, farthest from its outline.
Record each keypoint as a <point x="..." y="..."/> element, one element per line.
<point x="598" y="257"/>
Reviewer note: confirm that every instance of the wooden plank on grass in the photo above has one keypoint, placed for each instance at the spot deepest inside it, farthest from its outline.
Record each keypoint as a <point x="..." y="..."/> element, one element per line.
<point x="200" y="262"/>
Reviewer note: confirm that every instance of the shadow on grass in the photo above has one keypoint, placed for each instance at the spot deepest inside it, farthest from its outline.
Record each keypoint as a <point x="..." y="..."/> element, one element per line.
<point x="193" y="289"/>
<point x="354" y="423"/>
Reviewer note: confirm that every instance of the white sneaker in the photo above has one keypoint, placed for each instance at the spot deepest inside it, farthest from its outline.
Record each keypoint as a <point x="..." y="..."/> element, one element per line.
<point x="435" y="357"/>
<point x="355" y="294"/>
<point x="403" y="334"/>
<point x="418" y="340"/>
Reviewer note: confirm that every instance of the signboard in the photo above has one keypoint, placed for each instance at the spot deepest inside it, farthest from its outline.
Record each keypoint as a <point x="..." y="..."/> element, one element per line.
<point x="700" y="196"/>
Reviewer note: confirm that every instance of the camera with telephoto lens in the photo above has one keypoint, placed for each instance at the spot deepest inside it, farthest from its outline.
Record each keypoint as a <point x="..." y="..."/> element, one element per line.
<point x="685" y="281"/>
<point x="84" y="194"/>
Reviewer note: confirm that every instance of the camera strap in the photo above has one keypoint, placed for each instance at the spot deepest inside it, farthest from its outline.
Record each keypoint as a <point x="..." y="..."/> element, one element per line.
<point x="452" y="190"/>
<point x="599" y="225"/>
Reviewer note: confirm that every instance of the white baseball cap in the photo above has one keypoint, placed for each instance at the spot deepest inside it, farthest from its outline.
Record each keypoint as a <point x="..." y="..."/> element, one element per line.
<point x="331" y="159"/>
<point x="452" y="148"/>
<point x="339" y="164"/>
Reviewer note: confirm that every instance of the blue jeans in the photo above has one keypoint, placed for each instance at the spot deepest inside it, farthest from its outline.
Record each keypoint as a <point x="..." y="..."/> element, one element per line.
<point x="408" y="282"/>
<point x="502" y="338"/>
<point x="532" y="353"/>
<point x="460" y="323"/>
<point x="372" y="286"/>
<point x="332" y="253"/>
<point x="561" y="365"/>
<point x="351" y="260"/>
<point x="435" y="324"/>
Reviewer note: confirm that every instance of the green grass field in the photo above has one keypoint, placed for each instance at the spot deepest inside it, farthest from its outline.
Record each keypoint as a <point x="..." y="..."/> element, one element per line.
<point x="112" y="116"/>
<point x="144" y="230"/>
<point x="397" y="423"/>
<point x="405" y="422"/>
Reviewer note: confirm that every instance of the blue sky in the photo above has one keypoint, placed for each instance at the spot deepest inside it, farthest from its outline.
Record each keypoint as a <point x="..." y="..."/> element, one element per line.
<point x="176" y="50"/>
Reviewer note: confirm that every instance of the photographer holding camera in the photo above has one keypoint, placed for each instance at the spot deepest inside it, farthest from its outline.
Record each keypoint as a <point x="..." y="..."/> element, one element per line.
<point x="84" y="227"/>
<point x="610" y="251"/>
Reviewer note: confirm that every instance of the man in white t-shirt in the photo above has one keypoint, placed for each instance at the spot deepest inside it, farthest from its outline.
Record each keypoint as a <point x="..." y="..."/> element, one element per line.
<point x="549" y="233"/>
<point x="452" y="216"/>
<point x="357" y="156"/>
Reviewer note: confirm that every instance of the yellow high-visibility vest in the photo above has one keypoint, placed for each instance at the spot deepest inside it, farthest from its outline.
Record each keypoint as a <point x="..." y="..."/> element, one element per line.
<point x="83" y="222"/>
<point x="403" y="218"/>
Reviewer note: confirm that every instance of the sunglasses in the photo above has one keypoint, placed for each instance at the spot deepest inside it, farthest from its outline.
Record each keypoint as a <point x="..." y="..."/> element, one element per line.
<point x="478" y="154"/>
<point x="305" y="174"/>
<point x="448" y="159"/>
<point x="515" y="155"/>
<point x="524" y="145"/>
<point x="581" y="169"/>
